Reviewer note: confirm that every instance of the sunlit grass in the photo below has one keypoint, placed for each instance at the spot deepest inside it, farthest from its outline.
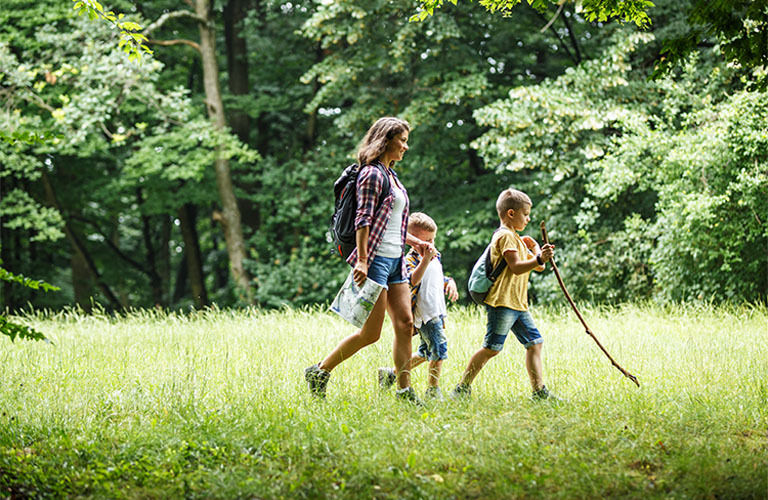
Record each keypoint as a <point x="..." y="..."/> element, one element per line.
<point x="213" y="405"/>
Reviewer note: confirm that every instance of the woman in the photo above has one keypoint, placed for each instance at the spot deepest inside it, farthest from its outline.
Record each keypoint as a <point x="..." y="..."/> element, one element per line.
<point x="381" y="237"/>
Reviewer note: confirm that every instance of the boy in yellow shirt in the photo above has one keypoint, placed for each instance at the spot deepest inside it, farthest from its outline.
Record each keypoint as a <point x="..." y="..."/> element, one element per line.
<point x="507" y="300"/>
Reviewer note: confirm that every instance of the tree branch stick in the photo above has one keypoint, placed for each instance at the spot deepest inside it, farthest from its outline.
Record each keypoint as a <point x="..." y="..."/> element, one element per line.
<point x="171" y="15"/>
<point x="581" y="318"/>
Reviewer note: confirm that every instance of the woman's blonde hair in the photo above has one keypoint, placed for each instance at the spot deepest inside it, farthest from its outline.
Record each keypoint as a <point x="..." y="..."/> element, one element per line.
<point x="377" y="138"/>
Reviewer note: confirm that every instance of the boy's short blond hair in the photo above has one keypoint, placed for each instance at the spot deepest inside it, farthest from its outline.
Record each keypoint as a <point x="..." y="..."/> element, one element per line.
<point x="511" y="199"/>
<point x="420" y="220"/>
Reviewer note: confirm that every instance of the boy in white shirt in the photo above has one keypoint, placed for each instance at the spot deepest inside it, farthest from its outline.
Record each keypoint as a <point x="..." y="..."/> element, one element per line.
<point x="429" y="286"/>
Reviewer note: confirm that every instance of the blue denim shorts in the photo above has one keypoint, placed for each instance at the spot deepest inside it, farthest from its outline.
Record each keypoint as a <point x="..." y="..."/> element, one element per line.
<point x="386" y="271"/>
<point x="434" y="345"/>
<point x="501" y="320"/>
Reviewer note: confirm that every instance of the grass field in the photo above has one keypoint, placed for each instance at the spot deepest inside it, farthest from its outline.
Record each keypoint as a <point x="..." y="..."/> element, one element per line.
<point x="213" y="405"/>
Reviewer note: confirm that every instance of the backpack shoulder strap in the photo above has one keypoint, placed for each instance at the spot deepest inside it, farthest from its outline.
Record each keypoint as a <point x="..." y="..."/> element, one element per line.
<point x="385" y="187"/>
<point x="499" y="267"/>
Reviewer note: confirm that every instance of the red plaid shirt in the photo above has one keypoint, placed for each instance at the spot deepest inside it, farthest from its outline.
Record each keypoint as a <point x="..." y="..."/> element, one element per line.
<point x="370" y="182"/>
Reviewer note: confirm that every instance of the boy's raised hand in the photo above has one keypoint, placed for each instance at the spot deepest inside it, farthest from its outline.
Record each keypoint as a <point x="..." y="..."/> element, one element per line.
<point x="547" y="252"/>
<point x="427" y="251"/>
<point x="451" y="290"/>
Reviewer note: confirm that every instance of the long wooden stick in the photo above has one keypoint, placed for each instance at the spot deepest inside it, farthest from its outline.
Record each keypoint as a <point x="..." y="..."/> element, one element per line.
<point x="576" y="310"/>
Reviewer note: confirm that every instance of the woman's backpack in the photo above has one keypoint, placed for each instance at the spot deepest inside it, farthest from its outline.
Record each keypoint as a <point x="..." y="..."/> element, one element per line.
<point x="484" y="275"/>
<point x="342" y="228"/>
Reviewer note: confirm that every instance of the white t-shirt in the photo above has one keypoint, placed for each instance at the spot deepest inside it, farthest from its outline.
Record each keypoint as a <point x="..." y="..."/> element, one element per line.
<point x="430" y="301"/>
<point x="391" y="242"/>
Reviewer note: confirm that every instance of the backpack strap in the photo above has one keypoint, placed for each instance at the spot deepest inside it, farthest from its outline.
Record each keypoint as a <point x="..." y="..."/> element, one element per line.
<point x="488" y="264"/>
<point x="385" y="188"/>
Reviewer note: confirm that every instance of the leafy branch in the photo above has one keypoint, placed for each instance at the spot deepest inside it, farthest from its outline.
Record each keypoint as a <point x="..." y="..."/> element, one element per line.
<point x="132" y="41"/>
<point x="6" y="275"/>
<point x="30" y="137"/>
<point x="635" y="11"/>
<point x="15" y="330"/>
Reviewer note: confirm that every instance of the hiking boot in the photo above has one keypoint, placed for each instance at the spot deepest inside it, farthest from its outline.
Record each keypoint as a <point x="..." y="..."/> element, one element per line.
<point x="461" y="392"/>
<point x="544" y="394"/>
<point x="317" y="380"/>
<point x="409" y="395"/>
<point x="387" y="377"/>
<point x="434" y="393"/>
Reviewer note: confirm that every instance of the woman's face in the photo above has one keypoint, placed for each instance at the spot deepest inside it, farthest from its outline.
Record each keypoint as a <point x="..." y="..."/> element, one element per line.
<point x="397" y="146"/>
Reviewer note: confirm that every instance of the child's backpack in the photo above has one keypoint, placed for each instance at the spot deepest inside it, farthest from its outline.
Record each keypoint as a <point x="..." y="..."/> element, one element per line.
<point x="484" y="275"/>
<point x="345" y="209"/>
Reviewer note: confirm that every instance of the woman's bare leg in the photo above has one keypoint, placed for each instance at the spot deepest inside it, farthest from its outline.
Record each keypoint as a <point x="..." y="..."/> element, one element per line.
<point x="368" y="334"/>
<point x="399" y="309"/>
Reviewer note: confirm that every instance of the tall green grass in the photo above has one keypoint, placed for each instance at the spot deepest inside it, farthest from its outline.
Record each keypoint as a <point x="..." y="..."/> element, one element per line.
<point x="213" y="405"/>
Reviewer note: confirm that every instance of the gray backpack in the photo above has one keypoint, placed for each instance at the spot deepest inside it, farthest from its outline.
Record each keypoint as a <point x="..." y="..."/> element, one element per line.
<point x="484" y="275"/>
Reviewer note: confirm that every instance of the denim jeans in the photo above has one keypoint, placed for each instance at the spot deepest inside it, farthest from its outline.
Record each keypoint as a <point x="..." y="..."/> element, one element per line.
<point x="501" y="320"/>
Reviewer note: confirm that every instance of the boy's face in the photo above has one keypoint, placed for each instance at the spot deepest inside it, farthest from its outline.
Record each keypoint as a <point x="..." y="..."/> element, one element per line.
<point x="423" y="235"/>
<point x="520" y="218"/>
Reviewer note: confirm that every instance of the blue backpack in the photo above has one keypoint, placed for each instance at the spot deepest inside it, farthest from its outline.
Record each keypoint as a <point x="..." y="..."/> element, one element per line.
<point x="484" y="275"/>
<point x="342" y="228"/>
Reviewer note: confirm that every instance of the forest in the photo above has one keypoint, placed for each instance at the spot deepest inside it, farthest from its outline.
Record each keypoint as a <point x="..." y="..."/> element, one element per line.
<point x="199" y="169"/>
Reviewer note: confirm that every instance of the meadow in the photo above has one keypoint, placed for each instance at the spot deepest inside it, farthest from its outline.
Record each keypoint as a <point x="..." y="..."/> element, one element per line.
<point x="213" y="404"/>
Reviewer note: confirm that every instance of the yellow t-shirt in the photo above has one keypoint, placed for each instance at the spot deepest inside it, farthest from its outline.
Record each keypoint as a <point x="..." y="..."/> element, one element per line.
<point x="510" y="290"/>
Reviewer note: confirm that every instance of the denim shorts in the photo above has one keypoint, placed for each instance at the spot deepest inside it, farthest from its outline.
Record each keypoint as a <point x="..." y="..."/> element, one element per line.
<point x="503" y="319"/>
<point x="434" y="345"/>
<point x="386" y="271"/>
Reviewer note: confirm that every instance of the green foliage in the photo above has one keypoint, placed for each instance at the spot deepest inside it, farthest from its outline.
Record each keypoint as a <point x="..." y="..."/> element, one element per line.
<point x="123" y="155"/>
<point x="434" y="75"/>
<point x="739" y="26"/>
<point x="635" y="11"/>
<point x="131" y="41"/>
<point x="639" y="182"/>
<point x="17" y="330"/>
<point x="712" y="205"/>
<point x="651" y="188"/>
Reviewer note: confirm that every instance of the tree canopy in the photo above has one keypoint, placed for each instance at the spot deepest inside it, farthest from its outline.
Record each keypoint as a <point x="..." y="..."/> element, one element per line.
<point x="111" y="185"/>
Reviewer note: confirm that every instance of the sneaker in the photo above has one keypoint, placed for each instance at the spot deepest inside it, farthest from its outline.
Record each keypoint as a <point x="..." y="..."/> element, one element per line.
<point x="387" y="377"/>
<point x="434" y="393"/>
<point x="409" y="395"/>
<point x="461" y="392"/>
<point x="544" y="394"/>
<point x="317" y="380"/>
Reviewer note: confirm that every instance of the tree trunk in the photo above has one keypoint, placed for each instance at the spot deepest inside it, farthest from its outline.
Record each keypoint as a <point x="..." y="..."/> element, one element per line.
<point x="230" y="216"/>
<point x="155" y="281"/>
<point x="219" y="275"/>
<point x="164" y="252"/>
<point x="192" y="254"/>
<point x="235" y="12"/>
<point x="180" y="286"/>
<point x="237" y="64"/>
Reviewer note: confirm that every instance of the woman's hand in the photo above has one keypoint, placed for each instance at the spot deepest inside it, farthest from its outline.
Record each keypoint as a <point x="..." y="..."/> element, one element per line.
<point x="360" y="272"/>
